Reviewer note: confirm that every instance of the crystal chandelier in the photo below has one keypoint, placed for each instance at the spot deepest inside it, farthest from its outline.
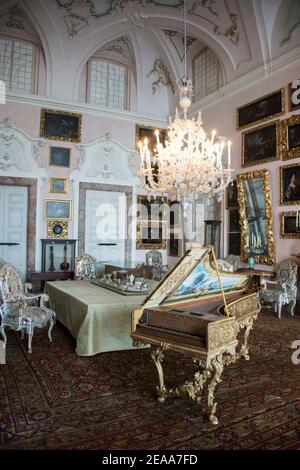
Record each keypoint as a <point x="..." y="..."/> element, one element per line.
<point x="190" y="162"/>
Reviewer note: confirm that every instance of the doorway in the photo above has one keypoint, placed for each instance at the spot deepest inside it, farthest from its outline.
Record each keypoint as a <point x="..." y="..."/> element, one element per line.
<point x="105" y="226"/>
<point x="13" y="226"/>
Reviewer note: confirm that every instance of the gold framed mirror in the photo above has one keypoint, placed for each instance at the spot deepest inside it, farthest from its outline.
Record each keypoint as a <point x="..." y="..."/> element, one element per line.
<point x="255" y="204"/>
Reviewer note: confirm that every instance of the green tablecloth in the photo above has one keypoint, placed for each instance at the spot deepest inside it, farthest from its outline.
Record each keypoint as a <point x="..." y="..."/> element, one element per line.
<point x="99" y="319"/>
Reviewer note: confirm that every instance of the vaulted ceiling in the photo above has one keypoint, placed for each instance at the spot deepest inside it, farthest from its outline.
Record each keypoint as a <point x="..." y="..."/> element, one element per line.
<point x="244" y="34"/>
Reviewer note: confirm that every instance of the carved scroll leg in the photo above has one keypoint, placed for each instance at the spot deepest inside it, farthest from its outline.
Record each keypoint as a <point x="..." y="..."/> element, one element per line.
<point x="216" y="367"/>
<point x="158" y="356"/>
<point x="244" y="352"/>
<point x="3" y="334"/>
<point x="292" y="307"/>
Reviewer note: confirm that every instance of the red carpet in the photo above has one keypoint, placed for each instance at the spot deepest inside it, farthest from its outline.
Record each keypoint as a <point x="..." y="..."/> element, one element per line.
<point x="53" y="399"/>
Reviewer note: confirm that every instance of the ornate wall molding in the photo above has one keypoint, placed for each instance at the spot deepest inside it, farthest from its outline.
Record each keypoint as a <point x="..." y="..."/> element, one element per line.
<point x="106" y="160"/>
<point x="163" y="75"/>
<point x="18" y="151"/>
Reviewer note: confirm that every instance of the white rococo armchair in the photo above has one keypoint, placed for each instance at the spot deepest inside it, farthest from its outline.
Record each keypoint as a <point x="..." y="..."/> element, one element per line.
<point x="15" y="309"/>
<point x="284" y="290"/>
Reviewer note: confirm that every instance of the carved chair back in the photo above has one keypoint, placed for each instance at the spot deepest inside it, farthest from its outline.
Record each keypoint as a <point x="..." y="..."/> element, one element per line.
<point x="11" y="286"/>
<point x="85" y="267"/>
<point x="287" y="275"/>
<point x="154" y="258"/>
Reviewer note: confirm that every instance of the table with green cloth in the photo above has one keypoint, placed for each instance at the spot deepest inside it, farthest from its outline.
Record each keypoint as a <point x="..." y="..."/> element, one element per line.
<point x="99" y="319"/>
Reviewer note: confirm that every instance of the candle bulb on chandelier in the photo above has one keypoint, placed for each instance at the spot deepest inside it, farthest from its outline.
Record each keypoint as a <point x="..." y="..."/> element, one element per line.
<point x="229" y="153"/>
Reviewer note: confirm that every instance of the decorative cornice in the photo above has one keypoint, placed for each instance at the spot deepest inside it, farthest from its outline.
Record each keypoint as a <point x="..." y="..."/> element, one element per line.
<point x="87" y="108"/>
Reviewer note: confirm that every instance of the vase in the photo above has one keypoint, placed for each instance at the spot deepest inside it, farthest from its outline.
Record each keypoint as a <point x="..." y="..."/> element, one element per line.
<point x="251" y="262"/>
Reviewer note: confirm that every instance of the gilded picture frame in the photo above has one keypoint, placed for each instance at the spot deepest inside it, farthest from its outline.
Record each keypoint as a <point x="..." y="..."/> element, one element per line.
<point x="57" y="228"/>
<point x="288" y="224"/>
<point x="60" y="125"/>
<point x="290" y="184"/>
<point x="260" y="144"/>
<point x="150" y="236"/>
<point x="58" y="185"/>
<point x="56" y="209"/>
<point x="290" y="137"/>
<point x="263" y="175"/>
<point x="260" y="110"/>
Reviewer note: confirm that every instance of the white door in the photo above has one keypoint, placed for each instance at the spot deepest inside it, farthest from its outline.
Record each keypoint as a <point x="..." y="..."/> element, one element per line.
<point x="105" y="226"/>
<point x="13" y="226"/>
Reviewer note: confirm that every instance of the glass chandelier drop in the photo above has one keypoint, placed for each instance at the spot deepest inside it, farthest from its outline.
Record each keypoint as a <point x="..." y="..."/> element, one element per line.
<point x="190" y="162"/>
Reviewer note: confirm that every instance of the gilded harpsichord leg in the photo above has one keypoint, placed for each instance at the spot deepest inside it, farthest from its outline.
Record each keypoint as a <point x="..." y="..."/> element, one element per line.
<point x="244" y="349"/>
<point x="215" y="368"/>
<point x="157" y="355"/>
<point x="193" y="387"/>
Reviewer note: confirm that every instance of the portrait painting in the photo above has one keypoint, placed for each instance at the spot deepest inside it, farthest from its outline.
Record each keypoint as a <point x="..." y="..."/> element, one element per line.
<point x="260" y="145"/>
<point x="290" y="224"/>
<point x="290" y="137"/>
<point x="290" y="184"/>
<point x="60" y="156"/>
<point x="55" y="209"/>
<point x="58" y="185"/>
<point x="231" y="195"/>
<point x="262" y="109"/>
<point x="59" y="125"/>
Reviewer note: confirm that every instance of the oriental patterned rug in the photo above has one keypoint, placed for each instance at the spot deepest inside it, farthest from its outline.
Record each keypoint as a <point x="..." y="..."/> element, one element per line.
<point x="53" y="399"/>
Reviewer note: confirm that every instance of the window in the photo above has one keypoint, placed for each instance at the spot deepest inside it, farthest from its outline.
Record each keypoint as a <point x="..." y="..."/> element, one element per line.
<point x="207" y="74"/>
<point x="16" y="62"/>
<point x="108" y="84"/>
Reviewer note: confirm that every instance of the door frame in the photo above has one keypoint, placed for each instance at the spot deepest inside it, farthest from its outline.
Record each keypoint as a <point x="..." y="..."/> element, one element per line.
<point x="83" y="188"/>
<point x="31" y="184"/>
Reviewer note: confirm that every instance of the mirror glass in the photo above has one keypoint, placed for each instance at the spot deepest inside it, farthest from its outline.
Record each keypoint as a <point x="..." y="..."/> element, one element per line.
<point x="254" y="195"/>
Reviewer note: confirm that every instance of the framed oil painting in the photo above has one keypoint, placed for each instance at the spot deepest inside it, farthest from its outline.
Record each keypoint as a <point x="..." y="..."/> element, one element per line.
<point x="142" y="132"/>
<point x="231" y="195"/>
<point x="262" y="109"/>
<point x="58" y="210"/>
<point x="290" y="184"/>
<point x="289" y="224"/>
<point x="290" y="137"/>
<point x="294" y="95"/>
<point x="58" y="185"/>
<point x="59" y="125"/>
<point x="60" y="156"/>
<point x="261" y="144"/>
<point x="151" y="235"/>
